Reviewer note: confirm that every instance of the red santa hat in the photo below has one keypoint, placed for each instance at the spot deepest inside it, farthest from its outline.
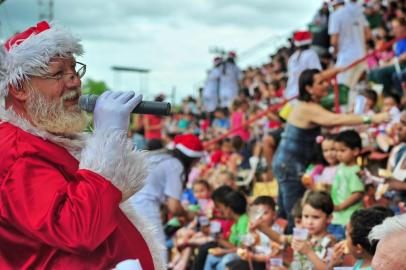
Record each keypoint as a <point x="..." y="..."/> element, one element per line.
<point x="217" y="60"/>
<point x="232" y="54"/>
<point x="190" y="145"/>
<point x="302" y="38"/>
<point x="31" y="50"/>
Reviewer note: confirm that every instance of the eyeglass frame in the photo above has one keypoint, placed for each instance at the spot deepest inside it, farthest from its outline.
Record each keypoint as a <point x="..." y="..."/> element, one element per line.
<point x="58" y="78"/>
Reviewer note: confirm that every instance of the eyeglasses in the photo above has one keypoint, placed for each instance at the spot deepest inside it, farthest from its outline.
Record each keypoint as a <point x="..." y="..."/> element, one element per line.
<point x="80" y="70"/>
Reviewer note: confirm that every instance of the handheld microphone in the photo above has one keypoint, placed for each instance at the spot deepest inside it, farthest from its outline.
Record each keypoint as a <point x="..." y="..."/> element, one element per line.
<point x="88" y="102"/>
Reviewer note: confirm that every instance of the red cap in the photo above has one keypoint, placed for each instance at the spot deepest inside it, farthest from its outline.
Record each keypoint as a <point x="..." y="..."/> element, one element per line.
<point x="302" y="38"/>
<point x="232" y="54"/>
<point x="217" y="59"/>
<point x="190" y="145"/>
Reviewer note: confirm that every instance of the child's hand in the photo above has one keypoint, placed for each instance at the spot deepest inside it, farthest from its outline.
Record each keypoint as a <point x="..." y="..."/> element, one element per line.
<point x="257" y="225"/>
<point x="301" y="246"/>
<point x="338" y="254"/>
<point x="245" y="254"/>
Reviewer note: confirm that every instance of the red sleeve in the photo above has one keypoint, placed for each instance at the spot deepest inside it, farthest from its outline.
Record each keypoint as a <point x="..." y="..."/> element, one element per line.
<point x="75" y="215"/>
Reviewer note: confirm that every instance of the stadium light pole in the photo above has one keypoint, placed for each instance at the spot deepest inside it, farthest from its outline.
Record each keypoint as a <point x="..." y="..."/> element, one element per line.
<point x="143" y="78"/>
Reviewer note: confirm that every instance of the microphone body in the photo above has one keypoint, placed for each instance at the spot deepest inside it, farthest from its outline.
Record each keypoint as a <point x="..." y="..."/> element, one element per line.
<point x="88" y="102"/>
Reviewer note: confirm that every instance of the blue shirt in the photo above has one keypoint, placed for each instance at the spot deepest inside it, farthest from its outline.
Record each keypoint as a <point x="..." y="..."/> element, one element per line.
<point x="400" y="47"/>
<point x="221" y="123"/>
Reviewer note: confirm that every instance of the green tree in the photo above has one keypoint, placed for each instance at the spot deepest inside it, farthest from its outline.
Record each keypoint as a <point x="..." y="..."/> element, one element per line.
<point x="94" y="87"/>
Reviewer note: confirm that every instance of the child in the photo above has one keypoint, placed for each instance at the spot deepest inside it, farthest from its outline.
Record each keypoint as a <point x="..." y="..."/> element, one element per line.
<point x="371" y="101"/>
<point x="235" y="209"/>
<point x="320" y="175"/>
<point x="189" y="235"/>
<point x="317" y="208"/>
<point x="231" y="159"/>
<point x="357" y="243"/>
<point x="219" y="198"/>
<point x="386" y="135"/>
<point x="239" y="118"/>
<point x="347" y="189"/>
<point x="316" y="215"/>
<point x="220" y="123"/>
<point x="262" y="210"/>
<point x="202" y="191"/>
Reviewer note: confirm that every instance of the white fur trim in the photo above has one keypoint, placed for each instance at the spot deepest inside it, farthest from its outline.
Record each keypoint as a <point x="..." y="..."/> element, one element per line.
<point x="303" y="42"/>
<point x="111" y="154"/>
<point x="189" y="152"/>
<point x="148" y="231"/>
<point x="391" y="225"/>
<point x="34" y="53"/>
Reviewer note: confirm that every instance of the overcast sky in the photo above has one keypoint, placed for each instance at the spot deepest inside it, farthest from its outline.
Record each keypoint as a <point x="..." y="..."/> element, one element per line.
<point x="171" y="38"/>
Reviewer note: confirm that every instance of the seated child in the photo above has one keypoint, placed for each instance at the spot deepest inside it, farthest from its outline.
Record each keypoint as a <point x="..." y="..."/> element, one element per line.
<point x="386" y="135"/>
<point x="190" y="235"/>
<point x="263" y="210"/>
<point x="202" y="192"/>
<point x="316" y="215"/>
<point x="371" y="101"/>
<point x="317" y="208"/>
<point x="218" y="196"/>
<point x="232" y="157"/>
<point x="221" y="123"/>
<point x="235" y="209"/>
<point x="357" y="243"/>
<point x="222" y="177"/>
<point x="320" y="174"/>
<point x="347" y="189"/>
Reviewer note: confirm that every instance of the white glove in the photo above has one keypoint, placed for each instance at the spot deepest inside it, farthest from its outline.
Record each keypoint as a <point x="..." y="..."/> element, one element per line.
<point x="113" y="110"/>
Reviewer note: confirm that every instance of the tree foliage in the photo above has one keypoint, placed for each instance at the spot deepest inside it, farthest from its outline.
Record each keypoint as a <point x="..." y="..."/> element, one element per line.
<point x="94" y="87"/>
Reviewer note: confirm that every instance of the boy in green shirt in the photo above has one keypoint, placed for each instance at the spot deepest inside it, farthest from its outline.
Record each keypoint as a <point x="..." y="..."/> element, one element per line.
<point x="235" y="209"/>
<point x="347" y="189"/>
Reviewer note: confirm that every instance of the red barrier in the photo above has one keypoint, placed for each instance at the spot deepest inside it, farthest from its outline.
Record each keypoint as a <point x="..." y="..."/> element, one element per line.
<point x="272" y="108"/>
<point x="384" y="47"/>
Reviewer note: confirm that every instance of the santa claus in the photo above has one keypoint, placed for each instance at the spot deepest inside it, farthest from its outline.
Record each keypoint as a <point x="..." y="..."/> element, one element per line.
<point x="63" y="194"/>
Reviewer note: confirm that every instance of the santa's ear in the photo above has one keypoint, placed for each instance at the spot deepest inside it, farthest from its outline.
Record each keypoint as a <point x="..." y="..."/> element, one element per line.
<point x="18" y="92"/>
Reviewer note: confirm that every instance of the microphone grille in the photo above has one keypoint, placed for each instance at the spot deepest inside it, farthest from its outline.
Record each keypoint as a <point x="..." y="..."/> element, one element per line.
<point x="87" y="102"/>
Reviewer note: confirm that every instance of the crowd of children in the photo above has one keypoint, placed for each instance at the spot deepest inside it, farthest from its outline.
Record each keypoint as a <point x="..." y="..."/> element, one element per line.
<point x="354" y="181"/>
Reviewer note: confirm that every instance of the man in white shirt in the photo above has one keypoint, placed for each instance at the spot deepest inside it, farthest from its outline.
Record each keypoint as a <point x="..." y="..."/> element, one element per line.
<point x="211" y="86"/>
<point x="349" y="30"/>
<point x="229" y="80"/>
<point x="303" y="58"/>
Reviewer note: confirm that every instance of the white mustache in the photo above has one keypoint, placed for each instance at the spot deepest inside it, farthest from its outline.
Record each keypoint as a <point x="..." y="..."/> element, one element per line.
<point x="71" y="95"/>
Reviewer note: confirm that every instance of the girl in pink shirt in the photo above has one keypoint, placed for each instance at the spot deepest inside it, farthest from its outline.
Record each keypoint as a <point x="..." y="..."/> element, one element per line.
<point x="239" y="110"/>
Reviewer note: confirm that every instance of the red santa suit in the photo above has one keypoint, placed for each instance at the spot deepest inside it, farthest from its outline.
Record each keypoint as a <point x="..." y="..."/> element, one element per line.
<point x="57" y="212"/>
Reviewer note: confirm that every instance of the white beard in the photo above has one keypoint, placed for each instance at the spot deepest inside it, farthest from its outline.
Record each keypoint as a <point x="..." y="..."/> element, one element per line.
<point x="52" y="116"/>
